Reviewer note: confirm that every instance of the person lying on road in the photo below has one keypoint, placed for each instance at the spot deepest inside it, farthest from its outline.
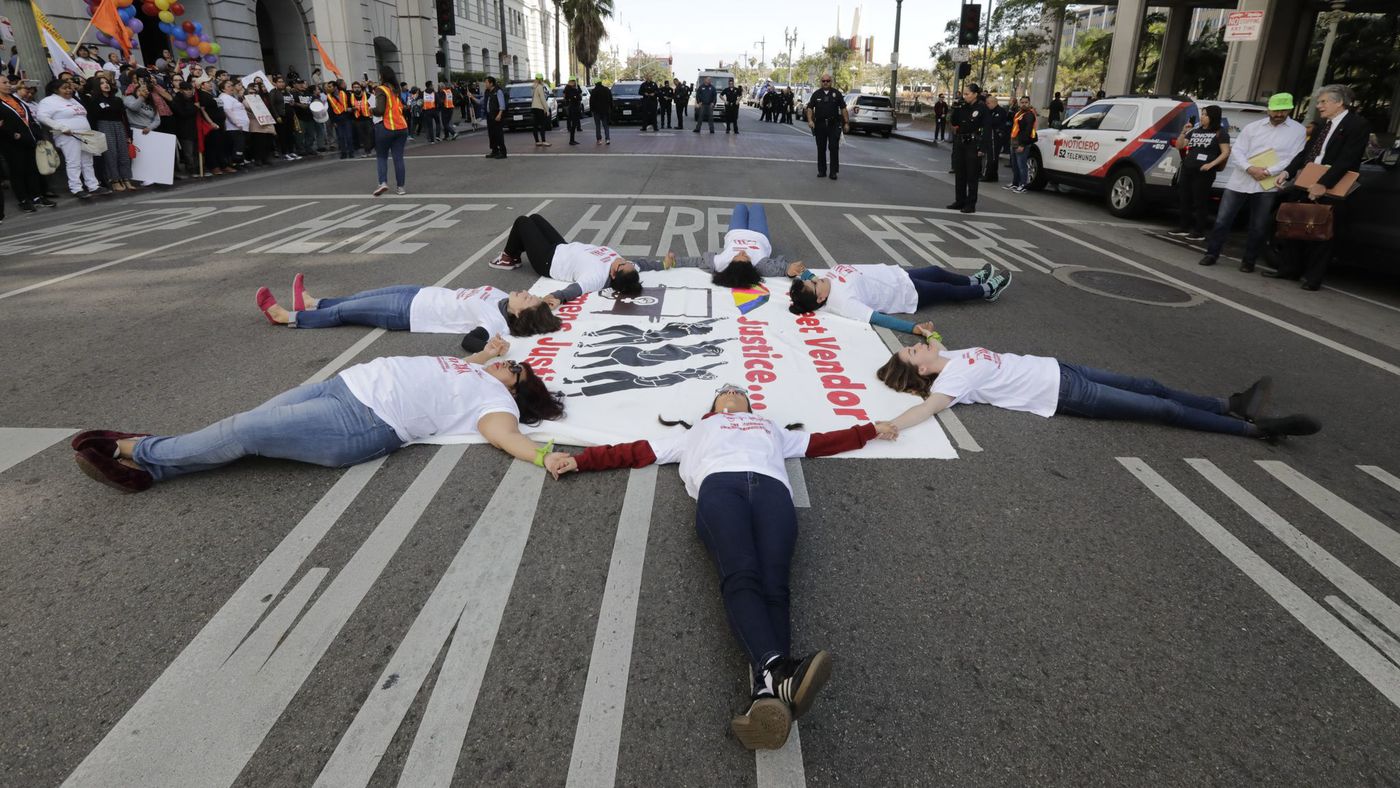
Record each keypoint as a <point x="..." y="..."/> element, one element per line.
<point x="365" y="412"/>
<point x="868" y="292"/>
<point x="1046" y="387"/>
<point x="732" y="464"/>
<point x="591" y="268"/>
<point x="424" y="310"/>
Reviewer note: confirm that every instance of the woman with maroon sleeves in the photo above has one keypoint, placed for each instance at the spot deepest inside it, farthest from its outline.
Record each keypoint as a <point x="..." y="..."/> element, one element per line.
<point x="732" y="464"/>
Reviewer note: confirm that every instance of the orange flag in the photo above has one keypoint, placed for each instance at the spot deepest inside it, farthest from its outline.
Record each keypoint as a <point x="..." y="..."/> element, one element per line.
<point x="330" y="64"/>
<point x="106" y="19"/>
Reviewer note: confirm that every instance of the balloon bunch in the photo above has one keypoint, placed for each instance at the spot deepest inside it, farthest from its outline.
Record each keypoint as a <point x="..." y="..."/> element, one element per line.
<point x="188" y="37"/>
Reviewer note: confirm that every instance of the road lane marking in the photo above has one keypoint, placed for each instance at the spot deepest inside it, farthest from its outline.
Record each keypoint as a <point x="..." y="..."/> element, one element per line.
<point x="705" y="156"/>
<point x="1381" y="475"/>
<point x="368" y="339"/>
<point x="1380" y="672"/>
<point x="798" y="479"/>
<point x="144" y="252"/>
<point x="595" y="196"/>
<point x="782" y="768"/>
<point x="135" y="744"/>
<point x="1363" y="526"/>
<point x="598" y="735"/>
<point x="1275" y="321"/>
<point x="490" y="558"/>
<point x="18" y="444"/>
<point x="1379" y="638"/>
<point x="946" y="417"/>
<point x="1339" y="574"/>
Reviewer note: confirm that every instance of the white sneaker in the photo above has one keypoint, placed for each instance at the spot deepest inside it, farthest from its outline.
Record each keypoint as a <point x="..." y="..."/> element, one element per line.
<point x="380" y="189"/>
<point x="401" y="191"/>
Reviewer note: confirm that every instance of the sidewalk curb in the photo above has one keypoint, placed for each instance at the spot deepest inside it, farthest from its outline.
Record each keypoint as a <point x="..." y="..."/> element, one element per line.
<point x="901" y="135"/>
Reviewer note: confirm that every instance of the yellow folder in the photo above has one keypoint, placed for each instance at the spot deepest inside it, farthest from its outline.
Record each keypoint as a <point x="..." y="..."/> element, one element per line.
<point x="1265" y="159"/>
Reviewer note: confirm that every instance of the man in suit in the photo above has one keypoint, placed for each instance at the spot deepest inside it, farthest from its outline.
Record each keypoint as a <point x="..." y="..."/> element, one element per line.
<point x="1338" y="141"/>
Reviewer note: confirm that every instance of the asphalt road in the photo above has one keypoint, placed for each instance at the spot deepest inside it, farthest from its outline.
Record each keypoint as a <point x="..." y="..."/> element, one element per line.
<point x="1069" y="602"/>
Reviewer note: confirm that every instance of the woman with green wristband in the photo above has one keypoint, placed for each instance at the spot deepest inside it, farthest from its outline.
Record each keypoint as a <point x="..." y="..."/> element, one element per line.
<point x="867" y="293"/>
<point x="365" y="412"/>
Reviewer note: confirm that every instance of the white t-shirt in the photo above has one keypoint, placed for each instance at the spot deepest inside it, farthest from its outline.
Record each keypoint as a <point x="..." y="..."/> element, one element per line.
<point x="236" y="115"/>
<point x="1006" y="380"/>
<point x="441" y="310"/>
<point x="427" y="396"/>
<point x="735" y="241"/>
<point x="858" y="291"/>
<point x="585" y="264"/>
<point x="731" y="442"/>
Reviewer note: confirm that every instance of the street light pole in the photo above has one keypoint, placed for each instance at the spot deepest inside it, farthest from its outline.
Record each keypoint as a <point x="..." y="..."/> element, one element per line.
<point x="986" y="41"/>
<point x="1321" y="76"/>
<point x="894" y="66"/>
<point x="789" y="40"/>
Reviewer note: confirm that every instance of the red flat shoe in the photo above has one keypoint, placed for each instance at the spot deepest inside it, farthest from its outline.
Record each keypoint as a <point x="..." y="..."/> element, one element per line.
<point x="265" y="303"/>
<point x="112" y="473"/>
<point x="103" y="438"/>
<point x="299" y="292"/>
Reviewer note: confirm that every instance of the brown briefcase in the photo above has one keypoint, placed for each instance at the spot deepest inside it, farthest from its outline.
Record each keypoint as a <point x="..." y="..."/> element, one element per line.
<point x="1304" y="221"/>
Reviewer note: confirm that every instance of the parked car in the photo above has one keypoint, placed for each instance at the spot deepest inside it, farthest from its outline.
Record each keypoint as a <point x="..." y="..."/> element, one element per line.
<point x="1121" y="147"/>
<point x="869" y="113"/>
<point x="558" y="95"/>
<point x="627" y="101"/>
<point x="1369" y="235"/>
<point x="519" y="96"/>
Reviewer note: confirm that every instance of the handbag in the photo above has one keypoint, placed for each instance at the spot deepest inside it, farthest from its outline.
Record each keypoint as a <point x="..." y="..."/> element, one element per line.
<point x="1304" y="221"/>
<point x="93" y="142"/>
<point x="46" y="158"/>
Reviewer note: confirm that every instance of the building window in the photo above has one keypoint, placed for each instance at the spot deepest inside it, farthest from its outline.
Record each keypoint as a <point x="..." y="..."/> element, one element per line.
<point x="466" y="57"/>
<point x="514" y="64"/>
<point x="481" y="11"/>
<point x="486" y="61"/>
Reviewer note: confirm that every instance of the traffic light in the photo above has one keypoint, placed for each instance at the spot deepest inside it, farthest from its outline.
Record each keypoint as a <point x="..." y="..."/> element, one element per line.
<point x="968" y="27"/>
<point x="446" y="18"/>
<point x="964" y="70"/>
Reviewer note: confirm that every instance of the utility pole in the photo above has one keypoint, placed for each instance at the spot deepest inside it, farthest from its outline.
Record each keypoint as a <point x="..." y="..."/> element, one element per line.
<point x="789" y="40"/>
<point x="986" y="41"/>
<point x="505" y="68"/>
<point x="1321" y="76"/>
<point x="762" y="45"/>
<point x="894" y="65"/>
<point x="32" y="60"/>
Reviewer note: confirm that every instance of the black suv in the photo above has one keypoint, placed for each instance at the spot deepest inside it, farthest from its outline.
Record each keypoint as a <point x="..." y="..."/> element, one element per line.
<point x="627" y="102"/>
<point x="519" y="96"/>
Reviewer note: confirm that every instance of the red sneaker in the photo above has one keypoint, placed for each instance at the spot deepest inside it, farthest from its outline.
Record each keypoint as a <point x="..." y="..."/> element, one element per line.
<point x="265" y="303"/>
<point x="299" y="292"/>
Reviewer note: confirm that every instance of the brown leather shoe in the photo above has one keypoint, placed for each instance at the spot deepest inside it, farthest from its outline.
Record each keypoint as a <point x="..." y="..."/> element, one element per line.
<point x="102" y="438"/>
<point x="112" y="473"/>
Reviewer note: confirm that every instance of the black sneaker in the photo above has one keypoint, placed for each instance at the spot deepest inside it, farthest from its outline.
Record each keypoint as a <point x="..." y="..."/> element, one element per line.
<point x="1179" y="233"/>
<point x="765" y="726"/>
<point x="83" y="195"/>
<point x="1252" y="403"/>
<point x="1196" y="237"/>
<point x="955" y="206"/>
<point x="1207" y="260"/>
<point x="27" y="207"/>
<point x="1274" y="430"/>
<point x="1247" y="267"/>
<point x="998" y="283"/>
<point x="796" y="682"/>
<point x="46" y="202"/>
<point x="983" y="274"/>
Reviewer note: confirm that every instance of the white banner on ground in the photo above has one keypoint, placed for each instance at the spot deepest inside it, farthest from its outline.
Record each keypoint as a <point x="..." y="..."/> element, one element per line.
<point x="623" y="362"/>
<point x="155" y="158"/>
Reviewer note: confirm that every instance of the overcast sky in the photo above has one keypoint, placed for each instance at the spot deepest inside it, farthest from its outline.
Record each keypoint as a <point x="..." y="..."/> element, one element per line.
<point x="703" y="32"/>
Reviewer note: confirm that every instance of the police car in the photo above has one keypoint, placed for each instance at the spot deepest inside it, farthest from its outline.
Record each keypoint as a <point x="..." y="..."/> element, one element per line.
<point x="1121" y="147"/>
<point x="561" y="106"/>
<point x="627" y="101"/>
<point x="869" y="113"/>
<point x="519" y="99"/>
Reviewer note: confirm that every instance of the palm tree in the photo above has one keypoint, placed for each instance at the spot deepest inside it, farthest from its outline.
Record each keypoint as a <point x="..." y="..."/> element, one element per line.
<point x="586" y="30"/>
<point x="557" y="10"/>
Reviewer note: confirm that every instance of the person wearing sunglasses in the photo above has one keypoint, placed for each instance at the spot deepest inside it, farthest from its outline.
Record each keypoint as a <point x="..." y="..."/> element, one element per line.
<point x="422" y="310"/>
<point x="827" y="118"/>
<point x="732" y="464"/>
<point x="363" y="413"/>
<point x="865" y="293"/>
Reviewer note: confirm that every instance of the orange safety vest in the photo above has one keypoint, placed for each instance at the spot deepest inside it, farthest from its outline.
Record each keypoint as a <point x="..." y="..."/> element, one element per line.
<point x="1016" y="124"/>
<point x="361" y="104"/>
<point x="429" y="100"/>
<point x="338" y="101"/>
<point x="447" y="97"/>
<point x="393" y="111"/>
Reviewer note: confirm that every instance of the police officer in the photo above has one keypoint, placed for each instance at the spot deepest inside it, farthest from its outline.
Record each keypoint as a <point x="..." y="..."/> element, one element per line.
<point x="971" y="135"/>
<point x="649" y="96"/>
<point x="573" y="108"/>
<point x="666" y="95"/>
<point x="827" y="118"/>
<point x="732" y="96"/>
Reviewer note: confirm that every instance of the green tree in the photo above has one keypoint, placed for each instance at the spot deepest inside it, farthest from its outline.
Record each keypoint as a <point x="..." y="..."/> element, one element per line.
<point x="1203" y="63"/>
<point x="641" y="65"/>
<point x="587" y="29"/>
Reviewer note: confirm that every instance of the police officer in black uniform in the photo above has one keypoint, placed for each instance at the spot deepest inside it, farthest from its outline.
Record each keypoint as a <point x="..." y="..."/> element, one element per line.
<point x="573" y="108"/>
<point x="666" y="95"/>
<point x="971" y="135"/>
<point x="732" y="96"/>
<point x="649" y="94"/>
<point x="826" y="116"/>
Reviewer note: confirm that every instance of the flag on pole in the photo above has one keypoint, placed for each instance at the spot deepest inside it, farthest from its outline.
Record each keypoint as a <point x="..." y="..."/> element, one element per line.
<point x="59" y="60"/>
<point x="202" y="128"/>
<point x="326" y="59"/>
<point x="45" y="26"/>
<point x="106" y="19"/>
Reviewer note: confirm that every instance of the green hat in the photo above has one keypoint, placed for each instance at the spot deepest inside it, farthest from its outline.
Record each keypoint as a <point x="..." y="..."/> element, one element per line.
<point x="573" y="78"/>
<point x="539" y="76"/>
<point x="1280" y="101"/>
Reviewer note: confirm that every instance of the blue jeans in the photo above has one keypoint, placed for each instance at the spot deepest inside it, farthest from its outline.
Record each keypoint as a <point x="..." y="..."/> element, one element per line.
<point x="387" y="307"/>
<point x="1098" y="394"/>
<point x="1019" y="173"/>
<point x="320" y="423"/>
<point x="1261" y="217"/>
<point x="747" y="522"/>
<point x="601" y="129"/>
<point x="934" y="285"/>
<point x="749" y="217"/>
<point x="386" y="142"/>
